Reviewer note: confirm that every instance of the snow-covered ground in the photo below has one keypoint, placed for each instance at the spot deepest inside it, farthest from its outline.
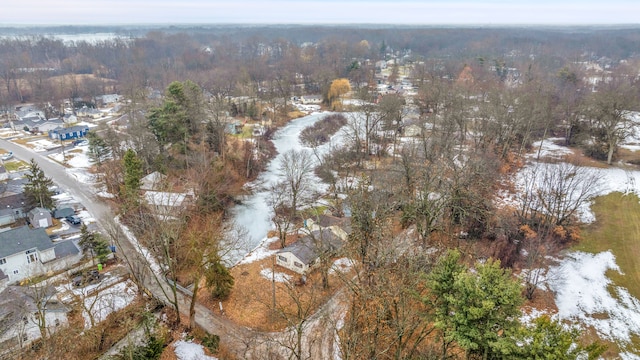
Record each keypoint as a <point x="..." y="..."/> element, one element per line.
<point x="268" y="274"/>
<point x="107" y="301"/>
<point x="584" y="294"/>
<point x="187" y="350"/>
<point x="341" y="265"/>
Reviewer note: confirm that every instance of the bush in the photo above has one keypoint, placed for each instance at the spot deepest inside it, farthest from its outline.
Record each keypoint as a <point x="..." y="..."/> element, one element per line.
<point x="211" y="342"/>
<point x="321" y="131"/>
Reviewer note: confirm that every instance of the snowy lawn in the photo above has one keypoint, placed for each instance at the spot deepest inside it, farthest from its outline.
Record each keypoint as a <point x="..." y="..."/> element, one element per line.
<point x="585" y="294"/>
<point x="341" y="265"/>
<point x="591" y="288"/>
<point x="186" y="350"/>
<point x="107" y="301"/>
<point x="268" y="274"/>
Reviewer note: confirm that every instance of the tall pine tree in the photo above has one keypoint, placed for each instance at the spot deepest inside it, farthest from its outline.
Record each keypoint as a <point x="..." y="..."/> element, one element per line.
<point x="37" y="189"/>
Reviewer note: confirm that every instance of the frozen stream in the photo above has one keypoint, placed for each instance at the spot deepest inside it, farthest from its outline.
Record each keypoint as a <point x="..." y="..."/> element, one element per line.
<point x="254" y="214"/>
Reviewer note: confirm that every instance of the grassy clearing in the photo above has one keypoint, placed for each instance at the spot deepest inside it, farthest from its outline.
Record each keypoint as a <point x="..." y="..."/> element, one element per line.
<point x="617" y="229"/>
<point x="15" y="165"/>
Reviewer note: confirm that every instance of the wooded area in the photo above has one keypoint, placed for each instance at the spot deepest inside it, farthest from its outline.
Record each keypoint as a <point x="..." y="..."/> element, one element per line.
<point x="434" y="249"/>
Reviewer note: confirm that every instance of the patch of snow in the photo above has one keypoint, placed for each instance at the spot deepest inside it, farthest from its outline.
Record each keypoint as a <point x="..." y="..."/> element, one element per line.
<point x="107" y="301"/>
<point x="82" y="175"/>
<point x="548" y="148"/>
<point x="187" y="350"/>
<point x="584" y="294"/>
<point x="268" y="274"/>
<point x="259" y="252"/>
<point x="86" y="217"/>
<point x="79" y="160"/>
<point x="341" y="265"/>
<point x="530" y="314"/>
<point x="629" y="356"/>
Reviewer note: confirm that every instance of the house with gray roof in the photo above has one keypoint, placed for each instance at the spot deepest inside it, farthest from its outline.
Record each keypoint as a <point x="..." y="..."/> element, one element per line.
<point x="303" y="255"/>
<point x="20" y="308"/>
<point x="39" y="218"/>
<point x="12" y="208"/>
<point x="27" y="252"/>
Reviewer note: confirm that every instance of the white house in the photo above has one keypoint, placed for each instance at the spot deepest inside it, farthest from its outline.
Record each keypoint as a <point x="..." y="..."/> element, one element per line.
<point x="26" y="252"/>
<point x="311" y="99"/>
<point x="303" y="255"/>
<point x="20" y="314"/>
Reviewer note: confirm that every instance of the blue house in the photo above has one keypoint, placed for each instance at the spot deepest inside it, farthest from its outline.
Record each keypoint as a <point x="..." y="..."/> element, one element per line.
<point x="70" y="133"/>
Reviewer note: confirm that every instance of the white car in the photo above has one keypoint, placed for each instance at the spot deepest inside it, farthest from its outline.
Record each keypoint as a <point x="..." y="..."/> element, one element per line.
<point x="7" y="156"/>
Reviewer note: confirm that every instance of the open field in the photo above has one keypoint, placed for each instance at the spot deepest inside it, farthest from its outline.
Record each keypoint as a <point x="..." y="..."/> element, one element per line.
<point x="617" y="229"/>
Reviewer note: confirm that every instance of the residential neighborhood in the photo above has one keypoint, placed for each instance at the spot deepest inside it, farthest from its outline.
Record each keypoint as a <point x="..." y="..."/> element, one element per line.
<point x="320" y="192"/>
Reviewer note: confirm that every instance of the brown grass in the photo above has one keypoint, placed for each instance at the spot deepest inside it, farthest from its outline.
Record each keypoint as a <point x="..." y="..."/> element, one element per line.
<point x="250" y="302"/>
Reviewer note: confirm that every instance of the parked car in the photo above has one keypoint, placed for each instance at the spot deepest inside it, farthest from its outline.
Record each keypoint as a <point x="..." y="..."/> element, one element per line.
<point x="74" y="219"/>
<point x="7" y="156"/>
<point x="82" y="142"/>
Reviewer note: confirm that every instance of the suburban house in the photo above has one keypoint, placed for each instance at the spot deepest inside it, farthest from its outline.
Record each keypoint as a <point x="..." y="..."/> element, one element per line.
<point x="89" y="112"/>
<point x="311" y="99"/>
<point x="303" y="255"/>
<point x="340" y="226"/>
<point x="39" y="218"/>
<point x="11" y="208"/>
<point x="70" y="133"/>
<point x="26" y="252"/>
<point x="38" y="125"/>
<point x="69" y="119"/>
<point x="19" y="313"/>
<point x="108" y="100"/>
<point x="154" y="181"/>
<point x="29" y="112"/>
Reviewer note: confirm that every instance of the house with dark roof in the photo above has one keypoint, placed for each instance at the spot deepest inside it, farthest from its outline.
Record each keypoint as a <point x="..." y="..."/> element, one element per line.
<point x="303" y="255"/>
<point x="20" y="308"/>
<point x="70" y="133"/>
<point x="12" y="208"/>
<point x="63" y="212"/>
<point x="27" y="252"/>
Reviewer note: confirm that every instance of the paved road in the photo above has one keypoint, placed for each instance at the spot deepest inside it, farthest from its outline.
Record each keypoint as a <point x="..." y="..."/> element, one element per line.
<point x="83" y="192"/>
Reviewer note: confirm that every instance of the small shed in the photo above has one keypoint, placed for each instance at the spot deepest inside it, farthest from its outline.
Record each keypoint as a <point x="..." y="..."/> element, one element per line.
<point x="40" y="218"/>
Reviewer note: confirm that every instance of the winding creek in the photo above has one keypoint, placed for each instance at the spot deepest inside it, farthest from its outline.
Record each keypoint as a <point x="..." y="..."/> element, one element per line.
<point x="253" y="214"/>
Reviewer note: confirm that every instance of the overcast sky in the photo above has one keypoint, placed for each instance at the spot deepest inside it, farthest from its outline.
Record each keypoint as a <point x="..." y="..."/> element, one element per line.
<point x="427" y="12"/>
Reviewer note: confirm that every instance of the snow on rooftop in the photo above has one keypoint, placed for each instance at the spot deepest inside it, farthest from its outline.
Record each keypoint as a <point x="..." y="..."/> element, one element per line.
<point x="187" y="350"/>
<point x="584" y="294"/>
<point x="161" y="198"/>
